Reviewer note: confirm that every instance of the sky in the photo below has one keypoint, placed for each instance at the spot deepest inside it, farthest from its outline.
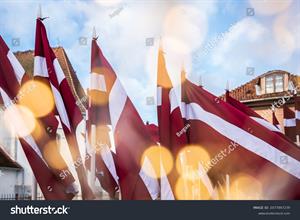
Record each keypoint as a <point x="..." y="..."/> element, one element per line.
<point x="215" y="40"/>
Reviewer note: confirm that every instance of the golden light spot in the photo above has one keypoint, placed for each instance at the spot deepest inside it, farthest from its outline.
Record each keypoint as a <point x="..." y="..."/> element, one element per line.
<point x="37" y="96"/>
<point x="157" y="161"/>
<point x="52" y="156"/>
<point x="245" y="187"/>
<point x="189" y="159"/>
<point x="191" y="189"/>
<point x="101" y="75"/>
<point x="20" y="119"/>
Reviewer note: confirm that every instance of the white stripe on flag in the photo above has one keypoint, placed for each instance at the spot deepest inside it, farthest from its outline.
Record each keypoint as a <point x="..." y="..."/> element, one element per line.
<point x="60" y="107"/>
<point x="297" y="114"/>
<point x="173" y="100"/>
<point x="289" y="122"/>
<point x="244" y="139"/>
<point x="150" y="183"/>
<point x="18" y="69"/>
<point x="40" y="67"/>
<point x="98" y="82"/>
<point x="159" y="96"/>
<point x="59" y="72"/>
<point x="165" y="187"/>
<point x="117" y="100"/>
<point x="266" y="124"/>
<point x="109" y="161"/>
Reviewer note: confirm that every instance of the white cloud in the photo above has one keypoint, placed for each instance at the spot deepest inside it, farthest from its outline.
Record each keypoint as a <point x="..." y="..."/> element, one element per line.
<point x="270" y="7"/>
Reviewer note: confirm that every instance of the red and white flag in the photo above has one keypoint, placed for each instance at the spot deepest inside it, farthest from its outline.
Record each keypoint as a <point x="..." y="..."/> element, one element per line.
<point x="130" y="135"/>
<point x="289" y="122"/>
<point x="46" y="66"/>
<point x="238" y="144"/>
<point x="12" y="76"/>
<point x="98" y="116"/>
<point x="170" y="123"/>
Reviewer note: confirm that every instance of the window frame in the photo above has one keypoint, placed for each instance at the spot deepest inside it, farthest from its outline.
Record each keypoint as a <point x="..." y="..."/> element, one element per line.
<point x="274" y="83"/>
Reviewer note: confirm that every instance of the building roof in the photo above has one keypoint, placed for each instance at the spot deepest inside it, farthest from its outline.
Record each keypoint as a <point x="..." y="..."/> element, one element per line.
<point x="26" y="59"/>
<point x="7" y="161"/>
<point x="247" y="91"/>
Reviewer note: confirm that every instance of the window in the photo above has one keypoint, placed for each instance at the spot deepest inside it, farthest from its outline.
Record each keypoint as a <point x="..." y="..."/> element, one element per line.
<point x="279" y="83"/>
<point x="269" y="84"/>
<point x="274" y="83"/>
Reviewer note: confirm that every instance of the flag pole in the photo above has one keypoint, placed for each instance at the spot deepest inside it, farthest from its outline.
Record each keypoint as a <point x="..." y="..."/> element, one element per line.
<point x="39" y="14"/>
<point x="227" y="85"/>
<point x="34" y="188"/>
<point x="200" y="81"/>
<point x="227" y="187"/>
<point x="93" y="157"/>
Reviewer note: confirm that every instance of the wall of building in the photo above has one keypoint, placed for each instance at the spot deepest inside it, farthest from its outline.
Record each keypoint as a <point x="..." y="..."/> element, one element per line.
<point x="9" y="179"/>
<point x="13" y="147"/>
<point x="267" y="114"/>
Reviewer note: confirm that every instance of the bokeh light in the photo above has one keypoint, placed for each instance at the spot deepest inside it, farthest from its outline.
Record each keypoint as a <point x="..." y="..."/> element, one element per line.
<point x="20" y="119"/>
<point x="245" y="187"/>
<point x="52" y="156"/>
<point x="160" y="158"/>
<point x="191" y="189"/>
<point x="189" y="159"/>
<point x="37" y="96"/>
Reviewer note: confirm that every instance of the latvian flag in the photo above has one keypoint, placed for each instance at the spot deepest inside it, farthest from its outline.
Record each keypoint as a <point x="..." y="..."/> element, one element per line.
<point x="260" y="163"/>
<point x="12" y="77"/>
<point x="130" y="135"/>
<point x="47" y="68"/>
<point x="98" y="115"/>
<point x="170" y="124"/>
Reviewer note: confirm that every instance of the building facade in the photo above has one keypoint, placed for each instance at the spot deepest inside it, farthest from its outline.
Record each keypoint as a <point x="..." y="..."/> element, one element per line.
<point x="264" y="93"/>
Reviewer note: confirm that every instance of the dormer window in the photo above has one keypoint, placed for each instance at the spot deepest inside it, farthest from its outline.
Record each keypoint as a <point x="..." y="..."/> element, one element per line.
<point x="274" y="83"/>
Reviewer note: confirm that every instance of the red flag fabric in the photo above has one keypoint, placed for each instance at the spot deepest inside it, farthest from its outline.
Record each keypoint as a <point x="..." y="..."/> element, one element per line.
<point x="12" y="75"/>
<point x="289" y="122"/>
<point x="130" y="135"/>
<point x="46" y="65"/>
<point x="238" y="145"/>
<point x="172" y="133"/>
<point x="153" y="131"/>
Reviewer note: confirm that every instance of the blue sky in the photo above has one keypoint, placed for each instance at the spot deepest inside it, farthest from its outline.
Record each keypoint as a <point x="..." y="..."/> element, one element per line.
<point x="216" y="40"/>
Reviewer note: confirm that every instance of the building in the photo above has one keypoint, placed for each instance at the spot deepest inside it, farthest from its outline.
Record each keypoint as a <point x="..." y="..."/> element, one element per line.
<point x="264" y="91"/>
<point x="16" y="169"/>
<point x="13" y="174"/>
